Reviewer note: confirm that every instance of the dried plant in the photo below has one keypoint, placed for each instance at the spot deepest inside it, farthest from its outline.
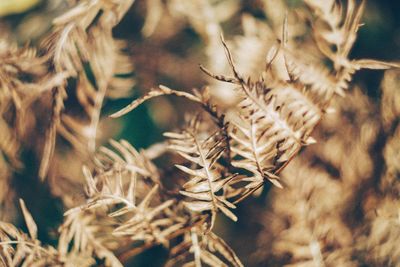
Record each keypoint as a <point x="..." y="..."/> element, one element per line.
<point x="81" y="35"/>
<point x="246" y="136"/>
<point x="304" y="227"/>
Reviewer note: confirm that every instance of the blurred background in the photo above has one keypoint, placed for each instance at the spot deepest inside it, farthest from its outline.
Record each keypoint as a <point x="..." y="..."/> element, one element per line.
<point x="167" y="42"/>
<point x="167" y="45"/>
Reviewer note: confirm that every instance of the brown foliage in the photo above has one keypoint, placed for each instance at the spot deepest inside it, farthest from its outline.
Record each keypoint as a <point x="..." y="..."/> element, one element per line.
<point x="321" y="208"/>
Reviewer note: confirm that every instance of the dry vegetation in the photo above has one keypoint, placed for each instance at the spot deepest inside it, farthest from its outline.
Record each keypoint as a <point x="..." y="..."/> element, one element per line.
<point x="279" y="110"/>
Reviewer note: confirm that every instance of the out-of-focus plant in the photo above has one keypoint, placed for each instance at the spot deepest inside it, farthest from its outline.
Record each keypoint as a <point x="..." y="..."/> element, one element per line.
<point x="284" y="77"/>
<point x="16" y="6"/>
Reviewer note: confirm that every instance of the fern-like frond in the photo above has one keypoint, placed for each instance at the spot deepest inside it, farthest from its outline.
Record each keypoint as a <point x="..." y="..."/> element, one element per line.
<point x="122" y="174"/>
<point x="88" y="233"/>
<point x="336" y="35"/>
<point x="82" y="46"/>
<point x="254" y="152"/>
<point x="276" y="120"/>
<point x="23" y="80"/>
<point x="124" y="188"/>
<point x="341" y="26"/>
<point x="197" y="248"/>
<point x="318" y="82"/>
<point x="20" y="249"/>
<point x="305" y="223"/>
<point x="123" y="155"/>
<point x="206" y="181"/>
<point x="147" y="223"/>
